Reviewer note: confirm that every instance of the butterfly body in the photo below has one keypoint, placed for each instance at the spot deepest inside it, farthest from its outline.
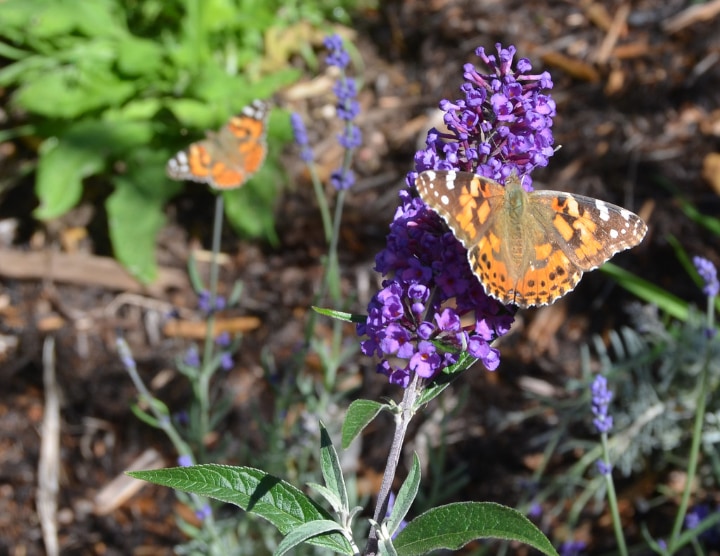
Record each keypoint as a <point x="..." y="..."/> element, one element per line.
<point x="528" y="248"/>
<point x="226" y="159"/>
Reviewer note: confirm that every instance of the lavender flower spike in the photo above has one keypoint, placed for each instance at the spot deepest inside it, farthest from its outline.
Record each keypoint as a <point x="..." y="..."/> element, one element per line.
<point x="347" y="108"/>
<point x="708" y="273"/>
<point x="601" y="398"/>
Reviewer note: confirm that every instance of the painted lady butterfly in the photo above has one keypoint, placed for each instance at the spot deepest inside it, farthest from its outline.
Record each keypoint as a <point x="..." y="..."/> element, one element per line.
<point x="528" y="248"/>
<point x="227" y="158"/>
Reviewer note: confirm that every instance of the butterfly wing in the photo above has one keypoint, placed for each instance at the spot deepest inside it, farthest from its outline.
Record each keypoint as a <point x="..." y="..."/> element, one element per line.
<point x="228" y="158"/>
<point x="470" y="205"/>
<point x="589" y="231"/>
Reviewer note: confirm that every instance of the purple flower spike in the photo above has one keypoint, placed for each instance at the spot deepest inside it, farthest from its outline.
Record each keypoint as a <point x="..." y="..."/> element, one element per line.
<point x="502" y="125"/>
<point x="601" y="398"/>
<point x="337" y="55"/>
<point x="347" y="107"/>
<point x="301" y="138"/>
<point x="708" y="273"/>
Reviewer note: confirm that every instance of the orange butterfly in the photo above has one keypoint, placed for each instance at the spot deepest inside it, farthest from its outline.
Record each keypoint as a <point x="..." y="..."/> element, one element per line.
<point x="227" y="158"/>
<point x="528" y="248"/>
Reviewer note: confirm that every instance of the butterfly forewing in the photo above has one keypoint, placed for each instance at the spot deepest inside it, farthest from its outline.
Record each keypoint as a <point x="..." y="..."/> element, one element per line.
<point x="589" y="231"/>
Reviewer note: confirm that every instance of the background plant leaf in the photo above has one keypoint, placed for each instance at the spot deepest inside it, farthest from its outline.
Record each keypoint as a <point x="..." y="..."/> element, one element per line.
<point x="453" y="526"/>
<point x="254" y="491"/>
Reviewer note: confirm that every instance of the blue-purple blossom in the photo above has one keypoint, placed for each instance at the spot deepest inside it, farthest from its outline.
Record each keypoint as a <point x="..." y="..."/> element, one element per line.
<point x="572" y="548"/>
<point x="708" y="273"/>
<point x="410" y="324"/>
<point x="347" y="108"/>
<point x="391" y="505"/>
<point x="192" y="357"/>
<point x="337" y="55"/>
<point x="226" y="361"/>
<point x="535" y="510"/>
<point x="223" y="339"/>
<point x="601" y="398"/>
<point x="693" y="519"/>
<point x="342" y="179"/>
<point x="603" y="467"/>
<point x="301" y="138"/>
<point x="502" y="125"/>
<point x="185" y="460"/>
<point x="205" y="305"/>
<point x="182" y="417"/>
<point x="204" y="512"/>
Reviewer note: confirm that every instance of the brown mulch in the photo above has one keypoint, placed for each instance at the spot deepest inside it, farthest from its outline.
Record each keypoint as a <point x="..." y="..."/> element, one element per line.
<point x="637" y="87"/>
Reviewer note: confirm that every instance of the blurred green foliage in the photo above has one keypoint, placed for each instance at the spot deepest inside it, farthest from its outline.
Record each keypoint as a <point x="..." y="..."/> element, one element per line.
<point x="109" y="85"/>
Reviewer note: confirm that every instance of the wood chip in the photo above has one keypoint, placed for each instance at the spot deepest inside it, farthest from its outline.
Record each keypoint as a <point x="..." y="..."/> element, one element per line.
<point x="575" y="67"/>
<point x="694" y="14"/>
<point x="195" y="330"/>
<point x="711" y="171"/>
<point x="85" y="270"/>
<point x="122" y="488"/>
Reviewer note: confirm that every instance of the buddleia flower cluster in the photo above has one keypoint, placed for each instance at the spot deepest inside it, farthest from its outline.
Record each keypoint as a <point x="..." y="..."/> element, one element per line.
<point x="431" y="307"/>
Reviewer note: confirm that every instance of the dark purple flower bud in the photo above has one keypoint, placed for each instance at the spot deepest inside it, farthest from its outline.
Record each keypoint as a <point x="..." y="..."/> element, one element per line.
<point x="301" y="138"/>
<point x="223" y="339"/>
<point x="342" y="179"/>
<point x="192" y="357"/>
<point x="204" y="512"/>
<point x="204" y="301"/>
<point x="604" y="468"/>
<point x="535" y="510"/>
<point x="226" y="361"/>
<point x="351" y="138"/>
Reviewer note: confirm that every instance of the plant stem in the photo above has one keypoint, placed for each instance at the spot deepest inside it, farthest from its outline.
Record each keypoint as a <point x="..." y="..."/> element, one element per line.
<point x="206" y="369"/>
<point x="612" y="498"/>
<point x="402" y="420"/>
<point x="696" y="438"/>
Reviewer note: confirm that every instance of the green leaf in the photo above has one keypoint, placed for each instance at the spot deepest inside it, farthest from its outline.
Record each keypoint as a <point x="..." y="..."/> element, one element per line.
<point x="139" y="57"/>
<point x="648" y="291"/>
<point x="61" y="168"/>
<point x="145" y="417"/>
<point x="710" y="223"/>
<point x="134" y="219"/>
<point x="304" y="533"/>
<point x="140" y="109"/>
<point x="453" y="526"/>
<point x="254" y="491"/>
<point x="250" y="209"/>
<point x="442" y="381"/>
<point x="340" y="315"/>
<point x="358" y="415"/>
<point x="196" y="114"/>
<point x="332" y="498"/>
<point x="405" y="497"/>
<point x="331" y="470"/>
<point x="73" y="91"/>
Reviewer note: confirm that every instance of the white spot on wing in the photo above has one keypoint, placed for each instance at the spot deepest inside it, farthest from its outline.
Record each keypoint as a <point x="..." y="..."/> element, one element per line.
<point x="603" y="210"/>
